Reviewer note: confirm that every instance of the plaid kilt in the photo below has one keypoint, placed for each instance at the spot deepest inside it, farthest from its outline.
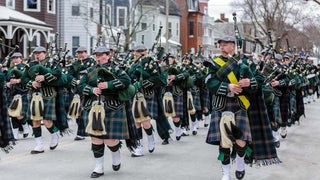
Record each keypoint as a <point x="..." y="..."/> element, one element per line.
<point x="152" y="105"/>
<point x="49" y="108"/>
<point x="300" y="104"/>
<point x="276" y="110"/>
<point x="61" y="109"/>
<point x="178" y="105"/>
<point x="262" y="138"/>
<point x="196" y="100"/>
<point x="293" y="102"/>
<point x="241" y="119"/>
<point x="205" y="98"/>
<point x="115" y="123"/>
<point x="284" y="108"/>
<point x="5" y="124"/>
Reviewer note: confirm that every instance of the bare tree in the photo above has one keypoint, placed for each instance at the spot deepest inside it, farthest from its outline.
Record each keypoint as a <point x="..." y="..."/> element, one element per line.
<point x="277" y="16"/>
<point x="139" y="12"/>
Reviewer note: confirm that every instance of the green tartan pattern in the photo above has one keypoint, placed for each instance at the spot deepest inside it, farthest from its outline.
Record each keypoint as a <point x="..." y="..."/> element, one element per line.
<point x="262" y="138"/>
<point x="5" y="125"/>
<point x="241" y="119"/>
<point x="152" y="106"/>
<point x="115" y="123"/>
<point x="49" y="108"/>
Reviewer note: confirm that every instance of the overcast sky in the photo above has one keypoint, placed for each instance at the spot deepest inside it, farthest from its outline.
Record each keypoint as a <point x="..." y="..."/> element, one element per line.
<point x="220" y="6"/>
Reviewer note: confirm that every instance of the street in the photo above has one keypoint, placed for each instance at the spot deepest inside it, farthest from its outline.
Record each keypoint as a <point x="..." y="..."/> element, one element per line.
<point x="188" y="159"/>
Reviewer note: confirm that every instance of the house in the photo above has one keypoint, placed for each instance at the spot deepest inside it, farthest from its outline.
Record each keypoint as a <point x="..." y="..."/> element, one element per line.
<point x="154" y="22"/>
<point x="195" y="26"/>
<point x="27" y="23"/>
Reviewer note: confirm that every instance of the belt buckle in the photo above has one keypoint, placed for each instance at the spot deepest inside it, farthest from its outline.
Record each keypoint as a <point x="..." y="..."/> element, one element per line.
<point x="230" y="94"/>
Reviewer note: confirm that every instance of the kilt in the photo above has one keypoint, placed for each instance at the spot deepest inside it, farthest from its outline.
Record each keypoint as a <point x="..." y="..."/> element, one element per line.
<point x="300" y="104"/>
<point x="196" y="101"/>
<point x="293" y="101"/>
<point x="264" y="151"/>
<point x="5" y="125"/>
<point x="115" y="123"/>
<point x="178" y="105"/>
<point x="276" y="110"/>
<point x="61" y="111"/>
<point x="205" y="98"/>
<point x="49" y="108"/>
<point x="241" y="119"/>
<point x="152" y="105"/>
<point x="284" y="108"/>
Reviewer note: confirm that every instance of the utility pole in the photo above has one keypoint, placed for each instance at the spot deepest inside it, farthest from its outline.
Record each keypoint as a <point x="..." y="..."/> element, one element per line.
<point x="99" y="32"/>
<point x="167" y="26"/>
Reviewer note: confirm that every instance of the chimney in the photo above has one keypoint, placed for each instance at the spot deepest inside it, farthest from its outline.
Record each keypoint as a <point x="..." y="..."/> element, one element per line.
<point x="222" y="16"/>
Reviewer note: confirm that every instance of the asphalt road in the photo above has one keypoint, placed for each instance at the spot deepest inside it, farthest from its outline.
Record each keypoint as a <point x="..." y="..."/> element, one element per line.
<point x="188" y="159"/>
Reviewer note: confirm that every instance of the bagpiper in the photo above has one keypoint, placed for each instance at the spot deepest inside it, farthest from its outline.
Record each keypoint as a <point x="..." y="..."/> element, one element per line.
<point x="105" y="88"/>
<point x="230" y="82"/>
<point x="17" y="93"/>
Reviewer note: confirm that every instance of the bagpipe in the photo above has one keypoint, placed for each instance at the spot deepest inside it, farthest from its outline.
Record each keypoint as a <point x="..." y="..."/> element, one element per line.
<point x="97" y="111"/>
<point x="6" y="60"/>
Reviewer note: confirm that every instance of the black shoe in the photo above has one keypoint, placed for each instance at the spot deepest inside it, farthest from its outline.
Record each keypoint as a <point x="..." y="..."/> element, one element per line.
<point x="178" y="138"/>
<point x="53" y="147"/>
<point x="79" y="138"/>
<point x="194" y="133"/>
<point x="277" y="144"/>
<point x="25" y="135"/>
<point x="184" y="134"/>
<point x="96" y="175"/>
<point x="36" y="152"/>
<point x="116" y="167"/>
<point x="240" y="174"/>
<point x="165" y="141"/>
<point x="151" y="150"/>
<point x="289" y="122"/>
<point x="206" y="125"/>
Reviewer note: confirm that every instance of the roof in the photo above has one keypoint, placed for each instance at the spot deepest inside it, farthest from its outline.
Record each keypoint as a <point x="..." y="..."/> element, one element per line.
<point x="174" y="9"/>
<point x="13" y="15"/>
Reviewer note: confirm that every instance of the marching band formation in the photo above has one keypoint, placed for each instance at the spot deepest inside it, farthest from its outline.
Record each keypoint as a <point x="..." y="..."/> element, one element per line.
<point x="246" y="102"/>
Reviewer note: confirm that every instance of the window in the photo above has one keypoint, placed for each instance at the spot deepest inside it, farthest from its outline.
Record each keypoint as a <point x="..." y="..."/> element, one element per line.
<point x="209" y="32"/>
<point x="170" y="28"/>
<point x="153" y="27"/>
<point x="143" y="26"/>
<point x="91" y="43"/>
<point x="177" y="29"/>
<point x="91" y="13"/>
<point x="76" y="10"/>
<point x="107" y="14"/>
<point x="33" y="44"/>
<point x="191" y="27"/>
<point x="75" y="43"/>
<point x="142" y="39"/>
<point x="206" y="10"/>
<point x="11" y="4"/>
<point x="200" y="33"/>
<point x="51" y="6"/>
<point x="121" y="18"/>
<point x="32" y="5"/>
